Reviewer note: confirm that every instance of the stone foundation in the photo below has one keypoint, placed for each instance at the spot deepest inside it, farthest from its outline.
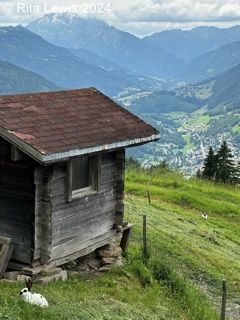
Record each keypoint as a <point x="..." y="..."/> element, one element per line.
<point x="44" y="277"/>
<point x="103" y="259"/>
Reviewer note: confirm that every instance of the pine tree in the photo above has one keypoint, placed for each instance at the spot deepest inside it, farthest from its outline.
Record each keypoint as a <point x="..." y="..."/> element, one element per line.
<point x="226" y="170"/>
<point x="237" y="174"/>
<point x="199" y="174"/>
<point x="209" y="167"/>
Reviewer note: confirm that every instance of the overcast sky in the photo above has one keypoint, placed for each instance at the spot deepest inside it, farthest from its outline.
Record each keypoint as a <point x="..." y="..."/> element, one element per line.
<point x="140" y="17"/>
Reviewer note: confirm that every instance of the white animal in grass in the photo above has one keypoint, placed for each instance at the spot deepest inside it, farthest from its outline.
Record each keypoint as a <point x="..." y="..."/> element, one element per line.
<point x="205" y="215"/>
<point x="33" y="298"/>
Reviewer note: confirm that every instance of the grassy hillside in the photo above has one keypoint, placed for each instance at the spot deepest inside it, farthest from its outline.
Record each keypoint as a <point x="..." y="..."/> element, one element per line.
<point x="181" y="280"/>
<point x="203" y="251"/>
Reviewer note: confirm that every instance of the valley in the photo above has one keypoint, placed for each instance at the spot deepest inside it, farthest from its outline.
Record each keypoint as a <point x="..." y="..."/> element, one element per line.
<point x="183" y="82"/>
<point x="185" y="136"/>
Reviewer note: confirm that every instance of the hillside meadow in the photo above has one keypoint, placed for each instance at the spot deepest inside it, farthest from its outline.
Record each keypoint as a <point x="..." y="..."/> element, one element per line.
<point x="188" y="257"/>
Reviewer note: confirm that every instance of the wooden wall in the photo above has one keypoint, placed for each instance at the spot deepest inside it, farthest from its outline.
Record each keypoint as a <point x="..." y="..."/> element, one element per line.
<point x="36" y="214"/>
<point x="85" y="223"/>
<point x="17" y="202"/>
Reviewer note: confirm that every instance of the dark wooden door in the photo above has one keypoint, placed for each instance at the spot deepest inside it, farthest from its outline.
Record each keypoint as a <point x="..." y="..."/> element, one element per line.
<point x="17" y="207"/>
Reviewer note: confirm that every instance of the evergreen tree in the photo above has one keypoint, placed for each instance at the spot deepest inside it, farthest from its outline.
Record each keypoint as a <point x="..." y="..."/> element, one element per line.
<point x="162" y="167"/>
<point x="226" y="170"/>
<point x="199" y="174"/>
<point x="237" y="174"/>
<point x="132" y="163"/>
<point x="209" y="167"/>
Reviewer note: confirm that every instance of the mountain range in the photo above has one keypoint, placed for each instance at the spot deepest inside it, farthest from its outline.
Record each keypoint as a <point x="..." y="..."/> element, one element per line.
<point x="189" y="44"/>
<point x="97" y="36"/>
<point x="18" y="80"/>
<point x="213" y="63"/>
<point x="61" y="66"/>
<point x="184" y="82"/>
<point x="218" y="90"/>
<point x="190" y="56"/>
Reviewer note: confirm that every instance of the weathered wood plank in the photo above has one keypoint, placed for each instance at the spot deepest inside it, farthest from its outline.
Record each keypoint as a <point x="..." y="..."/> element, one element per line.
<point x="75" y="245"/>
<point x="16" y="202"/>
<point x="83" y="252"/>
<point x="94" y="225"/>
<point x="6" y="250"/>
<point x="120" y="179"/>
<point x="86" y="205"/>
<point x="43" y="214"/>
<point x="87" y="220"/>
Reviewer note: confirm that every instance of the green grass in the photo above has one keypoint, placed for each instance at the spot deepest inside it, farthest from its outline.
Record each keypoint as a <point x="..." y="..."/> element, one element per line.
<point x="236" y="129"/>
<point x="119" y="294"/>
<point x="187" y="139"/>
<point x="107" y="297"/>
<point x="204" y="119"/>
<point x="206" y="251"/>
<point x="189" y="257"/>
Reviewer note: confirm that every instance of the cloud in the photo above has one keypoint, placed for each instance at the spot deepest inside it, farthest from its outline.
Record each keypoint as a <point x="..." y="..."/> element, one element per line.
<point x="137" y="16"/>
<point x="180" y="11"/>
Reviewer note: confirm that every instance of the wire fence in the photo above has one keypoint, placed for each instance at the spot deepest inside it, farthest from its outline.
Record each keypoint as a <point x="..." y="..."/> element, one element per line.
<point x="149" y="237"/>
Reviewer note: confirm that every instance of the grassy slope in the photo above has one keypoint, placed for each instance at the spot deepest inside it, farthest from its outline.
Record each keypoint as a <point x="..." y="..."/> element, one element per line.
<point x="206" y="251"/>
<point x="181" y="242"/>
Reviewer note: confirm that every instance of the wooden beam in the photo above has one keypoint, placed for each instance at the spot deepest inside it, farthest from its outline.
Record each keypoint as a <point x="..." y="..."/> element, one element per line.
<point x="16" y="154"/>
<point x="69" y="180"/>
<point x="120" y="181"/>
<point x="43" y="212"/>
<point x="6" y="250"/>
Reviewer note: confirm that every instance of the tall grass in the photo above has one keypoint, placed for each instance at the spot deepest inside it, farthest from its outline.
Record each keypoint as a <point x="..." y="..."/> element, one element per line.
<point x="192" y="300"/>
<point x="188" y="249"/>
<point x="193" y="194"/>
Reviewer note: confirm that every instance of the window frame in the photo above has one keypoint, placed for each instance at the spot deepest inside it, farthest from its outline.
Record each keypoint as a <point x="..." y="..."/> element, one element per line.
<point x="94" y="178"/>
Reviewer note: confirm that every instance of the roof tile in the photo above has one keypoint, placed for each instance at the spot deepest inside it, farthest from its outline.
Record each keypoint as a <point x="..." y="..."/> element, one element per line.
<point x="62" y="121"/>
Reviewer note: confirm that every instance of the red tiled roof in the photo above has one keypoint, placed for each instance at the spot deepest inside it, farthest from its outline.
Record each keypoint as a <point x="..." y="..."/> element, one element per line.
<point x="65" y="123"/>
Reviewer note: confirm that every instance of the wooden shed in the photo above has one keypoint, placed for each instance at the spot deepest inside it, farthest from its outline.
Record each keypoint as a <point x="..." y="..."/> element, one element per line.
<point x="62" y="162"/>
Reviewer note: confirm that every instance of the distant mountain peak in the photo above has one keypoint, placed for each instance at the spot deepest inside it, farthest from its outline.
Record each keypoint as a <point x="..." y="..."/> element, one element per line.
<point x="10" y="28"/>
<point x="67" y="18"/>
<point x="205" y="28"/>
<point x="108" y="42"/>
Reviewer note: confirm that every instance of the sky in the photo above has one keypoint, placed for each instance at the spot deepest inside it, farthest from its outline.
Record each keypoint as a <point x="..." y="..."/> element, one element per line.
<point x="140" y="17"/>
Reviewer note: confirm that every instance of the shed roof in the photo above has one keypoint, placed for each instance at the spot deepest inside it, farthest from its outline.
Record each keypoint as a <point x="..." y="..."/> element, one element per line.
<point x="54" y="126"/>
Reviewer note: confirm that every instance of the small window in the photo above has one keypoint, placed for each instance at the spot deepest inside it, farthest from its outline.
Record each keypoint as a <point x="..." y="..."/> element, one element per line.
<point x="80" y="176"/>
<point x="83" y="176"/>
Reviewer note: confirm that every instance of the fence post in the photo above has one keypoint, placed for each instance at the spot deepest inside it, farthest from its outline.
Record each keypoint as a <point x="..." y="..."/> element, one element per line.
<point x="224" y="300"/>
<point x="149" y="197"/>
<point x="145" y="237"/>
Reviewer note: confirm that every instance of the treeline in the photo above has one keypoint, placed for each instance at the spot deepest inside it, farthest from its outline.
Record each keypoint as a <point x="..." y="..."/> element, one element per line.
<point x="132" y="163"/>
<point x="220" y="166"/>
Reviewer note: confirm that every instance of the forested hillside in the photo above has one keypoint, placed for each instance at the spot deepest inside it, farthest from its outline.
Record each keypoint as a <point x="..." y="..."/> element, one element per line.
<point x="17" y="80"/>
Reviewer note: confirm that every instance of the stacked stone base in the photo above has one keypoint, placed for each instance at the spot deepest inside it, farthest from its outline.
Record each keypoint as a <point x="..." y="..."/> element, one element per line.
<point x="103" y="259"/>
<point x="43" y="275"/>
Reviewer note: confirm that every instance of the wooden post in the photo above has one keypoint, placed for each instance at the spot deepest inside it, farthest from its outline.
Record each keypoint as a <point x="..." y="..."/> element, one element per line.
<point x="120" y="179"/>
<point x="224" y="300"/>
<point x="149" y="197"/>
<point x="6" y="250"/>
<point x="145" y="237"/>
